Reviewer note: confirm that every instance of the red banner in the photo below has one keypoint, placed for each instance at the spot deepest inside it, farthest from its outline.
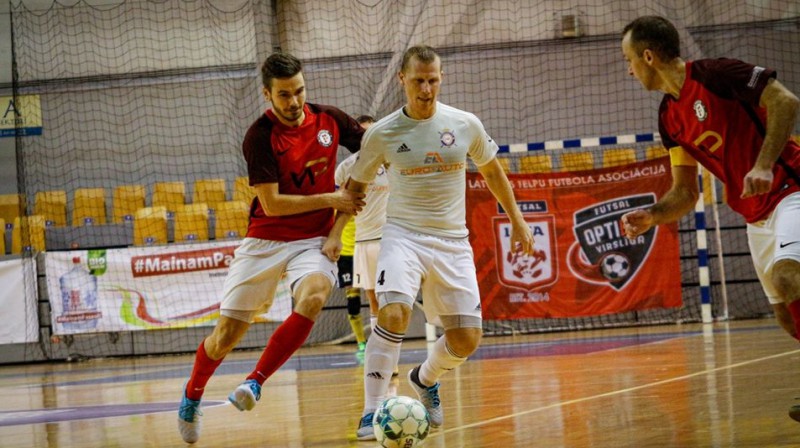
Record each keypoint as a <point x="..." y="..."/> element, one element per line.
<point x="583" y="265"/>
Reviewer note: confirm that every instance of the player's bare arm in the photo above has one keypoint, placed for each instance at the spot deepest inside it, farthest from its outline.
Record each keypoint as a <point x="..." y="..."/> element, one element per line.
<point x="276" y="204"/>
<point x="497" y="181"/>
<point x="782" y="109"/>
<point x="679" y="200"/>
<point x="333" y="245"/>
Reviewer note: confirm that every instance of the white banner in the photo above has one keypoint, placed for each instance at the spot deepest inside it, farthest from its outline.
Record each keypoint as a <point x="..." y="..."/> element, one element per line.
<point x="18" y="302"/>
<point x="143" y="288"/>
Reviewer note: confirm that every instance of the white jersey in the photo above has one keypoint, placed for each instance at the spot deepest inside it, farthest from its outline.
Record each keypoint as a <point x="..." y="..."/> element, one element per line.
<point x="426" y="162"/>
<point x="370" y="220"/>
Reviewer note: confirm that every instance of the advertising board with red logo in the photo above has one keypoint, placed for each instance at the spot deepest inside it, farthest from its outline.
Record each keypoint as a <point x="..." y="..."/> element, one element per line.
<point x="142" y="288"/>
<point x="582" y="264"/>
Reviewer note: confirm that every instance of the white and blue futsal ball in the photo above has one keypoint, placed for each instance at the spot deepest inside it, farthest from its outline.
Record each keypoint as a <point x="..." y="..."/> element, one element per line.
<point x="401" y="422"/>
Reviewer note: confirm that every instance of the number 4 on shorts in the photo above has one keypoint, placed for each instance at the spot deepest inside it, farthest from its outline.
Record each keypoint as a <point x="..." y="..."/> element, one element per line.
<point x="381" y="279"/>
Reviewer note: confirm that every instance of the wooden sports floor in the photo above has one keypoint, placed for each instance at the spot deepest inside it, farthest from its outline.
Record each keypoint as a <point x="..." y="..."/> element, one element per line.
<point x="726" y="385"/>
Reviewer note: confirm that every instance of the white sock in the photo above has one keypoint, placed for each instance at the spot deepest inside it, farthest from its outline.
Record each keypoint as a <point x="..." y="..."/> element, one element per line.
<point x="440" y="360"/>
<point x="380" y="358"/>
<point x="373" y="321"/>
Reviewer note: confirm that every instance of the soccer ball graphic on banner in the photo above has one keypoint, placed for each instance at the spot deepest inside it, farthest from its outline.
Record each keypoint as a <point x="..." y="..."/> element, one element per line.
<point x="615" y="266"/>
<point x="401" y="422"/>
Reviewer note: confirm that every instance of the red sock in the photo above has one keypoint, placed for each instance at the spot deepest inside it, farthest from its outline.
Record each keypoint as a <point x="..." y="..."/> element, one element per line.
<point x="288" y="337"/>
<point x="794" y="310"/>
<point x="204" y="367"/>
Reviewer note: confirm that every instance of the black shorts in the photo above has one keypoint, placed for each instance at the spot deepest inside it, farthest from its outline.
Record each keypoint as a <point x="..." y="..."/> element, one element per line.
<point x="345" y="264"/>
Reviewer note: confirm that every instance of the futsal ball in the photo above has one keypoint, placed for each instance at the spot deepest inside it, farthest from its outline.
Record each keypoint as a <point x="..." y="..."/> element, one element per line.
<point x="615" y="266"/>
<point x="401" y="422"/>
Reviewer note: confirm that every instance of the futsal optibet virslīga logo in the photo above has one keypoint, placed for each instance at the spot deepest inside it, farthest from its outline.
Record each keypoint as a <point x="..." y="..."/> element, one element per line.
<point x="602" y="254"/>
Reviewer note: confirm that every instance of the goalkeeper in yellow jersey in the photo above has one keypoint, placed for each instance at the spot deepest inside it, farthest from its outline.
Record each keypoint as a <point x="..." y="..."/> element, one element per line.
<point x="352" y="293"/>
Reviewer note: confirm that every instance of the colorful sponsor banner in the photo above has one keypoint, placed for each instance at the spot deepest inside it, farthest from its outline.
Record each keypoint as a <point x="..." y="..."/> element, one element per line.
<point x="21" y="117"/>
<point x="582" y="264"/>
<point x="142" y="288"/>
<point x="18" y="301"/>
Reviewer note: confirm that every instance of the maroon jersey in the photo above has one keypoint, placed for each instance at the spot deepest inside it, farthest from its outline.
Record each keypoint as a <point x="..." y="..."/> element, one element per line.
<point x="302" y="161"/>
<point x="717" y="120"/>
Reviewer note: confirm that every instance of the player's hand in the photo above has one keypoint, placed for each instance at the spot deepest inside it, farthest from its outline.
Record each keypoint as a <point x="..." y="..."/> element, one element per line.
<point x="637" y="222"/>
<point x="332" y="248"/>
<point x="522" y="238"/>
<point x="757" y="181"/>
<point x="348" y="201"/>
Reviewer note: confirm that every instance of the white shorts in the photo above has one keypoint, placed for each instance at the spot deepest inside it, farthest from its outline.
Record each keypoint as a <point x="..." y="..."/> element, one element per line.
<point x="443" y="267"/>
<point x="365" y="262"/>
<point x="258" y="266"/>
<point x="776" y="238"/>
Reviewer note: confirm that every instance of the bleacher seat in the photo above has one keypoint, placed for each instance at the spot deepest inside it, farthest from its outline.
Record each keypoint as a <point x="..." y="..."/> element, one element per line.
<point x="505" y="162"/>
<point x="618" y="156"/>
<point x="52" y="205"/>
<point x="654" y="152"/>
<point x="536" y="163"/>
<point x="11" y="206"/>
<point x="577" y="161"/>
<point x="169" y="194"/>
<point x="210" y="192"/>
<point x="126" y="200"/>
<point x="231" y="219"/>
<point x="89" y="207"/>
<point x="150" y="226"/>
<point x="28" y="233"/>
<point x="191" y="223"/>
<point x="242" y="191"/>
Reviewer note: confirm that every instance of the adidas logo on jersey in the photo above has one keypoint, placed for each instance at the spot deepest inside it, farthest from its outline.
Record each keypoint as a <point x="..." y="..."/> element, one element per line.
<point x="403" y="148"/>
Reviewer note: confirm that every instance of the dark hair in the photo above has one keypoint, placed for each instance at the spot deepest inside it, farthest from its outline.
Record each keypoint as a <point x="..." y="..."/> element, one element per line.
<point x="423" y="53"/>
<point x="656" y="34"/>
<point x="279" y="65"/>
<point x="365" y="119"/>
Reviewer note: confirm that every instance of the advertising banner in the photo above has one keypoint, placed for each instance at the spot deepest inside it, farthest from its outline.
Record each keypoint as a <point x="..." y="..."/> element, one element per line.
<point x="18" y="301"/>
<point x="142" y="288"/>
<point x="583" y="265"/>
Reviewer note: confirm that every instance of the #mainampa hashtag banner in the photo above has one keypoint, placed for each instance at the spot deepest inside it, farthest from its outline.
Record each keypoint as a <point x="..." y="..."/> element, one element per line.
<point x="143" y="288"/>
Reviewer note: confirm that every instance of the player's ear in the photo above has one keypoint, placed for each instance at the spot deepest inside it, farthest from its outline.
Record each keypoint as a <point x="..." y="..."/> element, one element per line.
<point x="400" y="77"/>
<point x="648" y="56"/>
<point x="265" y="92"/>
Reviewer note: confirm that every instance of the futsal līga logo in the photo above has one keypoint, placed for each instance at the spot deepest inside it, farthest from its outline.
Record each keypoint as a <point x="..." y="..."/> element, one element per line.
<point x="602" y="254"/>
<point x="522" y="271"/>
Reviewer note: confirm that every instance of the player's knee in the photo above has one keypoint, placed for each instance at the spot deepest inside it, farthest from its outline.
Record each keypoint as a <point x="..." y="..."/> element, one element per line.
<point x="394" y="317"/>
<point x="786" y="278"/>
<point x="225" y="337"/>
<point x="463" y="342"/>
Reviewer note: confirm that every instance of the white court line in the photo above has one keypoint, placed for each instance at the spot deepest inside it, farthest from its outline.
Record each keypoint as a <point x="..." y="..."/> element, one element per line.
<point x="609" y="394"/>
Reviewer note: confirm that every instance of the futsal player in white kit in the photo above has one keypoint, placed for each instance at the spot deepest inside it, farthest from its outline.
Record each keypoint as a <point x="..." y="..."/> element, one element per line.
<point x="425" y="244"/>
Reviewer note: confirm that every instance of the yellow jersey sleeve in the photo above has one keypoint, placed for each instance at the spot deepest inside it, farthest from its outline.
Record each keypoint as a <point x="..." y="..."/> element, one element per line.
<point x="679" y="157"/>
<point x="349" y="238"/>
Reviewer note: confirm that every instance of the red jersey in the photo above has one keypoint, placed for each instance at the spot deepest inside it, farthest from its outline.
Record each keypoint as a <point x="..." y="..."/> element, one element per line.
<point x="302" y="161"/>
<point x="717" y="120"/>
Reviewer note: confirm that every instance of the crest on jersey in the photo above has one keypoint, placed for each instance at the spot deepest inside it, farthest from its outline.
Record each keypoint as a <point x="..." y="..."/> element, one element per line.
<point x="447" y="138"/>
<point x="602" y="254"/>
<point x="527" y="272"/>
<point x="325" y="138"/>
<point x="700" y="110"/>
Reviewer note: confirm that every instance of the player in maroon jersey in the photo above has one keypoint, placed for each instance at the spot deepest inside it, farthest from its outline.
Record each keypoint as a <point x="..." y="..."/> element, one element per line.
<point x="291" y="159"/>
<point x="736" y="120"/>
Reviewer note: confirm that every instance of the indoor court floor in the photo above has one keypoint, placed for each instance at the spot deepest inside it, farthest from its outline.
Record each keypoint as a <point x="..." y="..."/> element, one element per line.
<point x="722" y="385"/>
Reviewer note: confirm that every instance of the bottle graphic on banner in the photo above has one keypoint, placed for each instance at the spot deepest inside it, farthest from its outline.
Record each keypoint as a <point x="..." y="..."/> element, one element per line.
<point x="78" y="298"/>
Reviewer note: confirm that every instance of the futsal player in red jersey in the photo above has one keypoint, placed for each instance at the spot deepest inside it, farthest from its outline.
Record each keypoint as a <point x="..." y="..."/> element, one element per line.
<point x="736" y="120"/>
<point x="291" y="160"/>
